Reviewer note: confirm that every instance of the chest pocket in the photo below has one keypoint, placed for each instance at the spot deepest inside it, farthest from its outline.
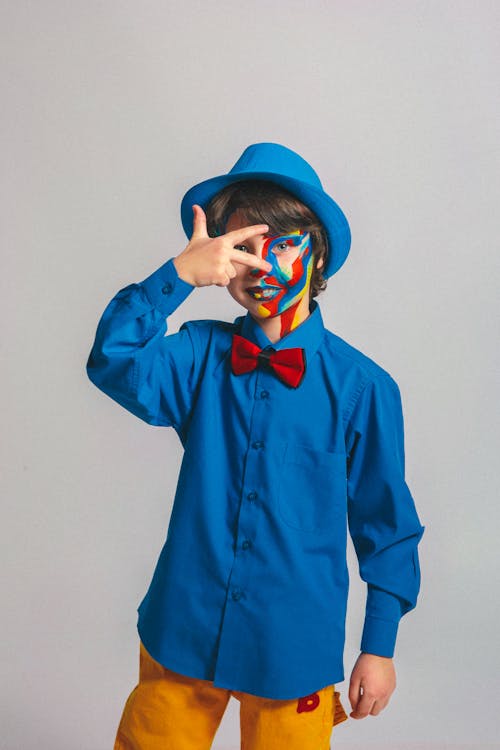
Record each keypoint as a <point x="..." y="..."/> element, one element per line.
<point x="312" y="491"/>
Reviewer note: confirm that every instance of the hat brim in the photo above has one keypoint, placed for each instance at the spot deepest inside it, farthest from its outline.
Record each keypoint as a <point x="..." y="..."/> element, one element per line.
<point x="326" y="209"/>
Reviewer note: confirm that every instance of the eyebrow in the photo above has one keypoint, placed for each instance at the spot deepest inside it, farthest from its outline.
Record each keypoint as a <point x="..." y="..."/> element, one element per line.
<point x="281" y="234"/>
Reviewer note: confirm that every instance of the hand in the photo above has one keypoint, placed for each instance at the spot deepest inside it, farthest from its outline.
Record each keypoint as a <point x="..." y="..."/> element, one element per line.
<point x="377" y="676"/>
<point x="209" y="260"/>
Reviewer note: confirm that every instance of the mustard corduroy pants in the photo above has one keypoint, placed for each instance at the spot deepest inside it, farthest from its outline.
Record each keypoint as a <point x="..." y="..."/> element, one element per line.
<point x="169" y="711"/>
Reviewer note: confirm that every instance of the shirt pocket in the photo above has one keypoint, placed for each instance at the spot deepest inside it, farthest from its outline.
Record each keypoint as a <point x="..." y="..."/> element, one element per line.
<point x="312" y="493"/>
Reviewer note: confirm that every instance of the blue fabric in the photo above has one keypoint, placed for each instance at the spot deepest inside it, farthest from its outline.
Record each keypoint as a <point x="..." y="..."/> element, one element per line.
<point x="250" y="588"/>
<point x="278" y="164"/>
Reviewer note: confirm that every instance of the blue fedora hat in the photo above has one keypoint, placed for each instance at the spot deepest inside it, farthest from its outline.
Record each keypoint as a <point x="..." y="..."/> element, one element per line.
<point x="281" y="165"/>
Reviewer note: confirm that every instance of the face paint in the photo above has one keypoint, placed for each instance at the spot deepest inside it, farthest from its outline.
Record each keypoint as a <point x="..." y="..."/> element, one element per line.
<point x="283" y="287"/>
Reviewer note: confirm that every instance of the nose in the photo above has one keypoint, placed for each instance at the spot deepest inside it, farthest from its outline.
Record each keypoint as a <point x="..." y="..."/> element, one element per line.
<point x="258" y="273"/>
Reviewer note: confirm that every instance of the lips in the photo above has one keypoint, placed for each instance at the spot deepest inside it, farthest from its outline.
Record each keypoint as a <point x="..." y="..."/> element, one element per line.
<point x="263" y="292"/>
<point x="260" y="288"/>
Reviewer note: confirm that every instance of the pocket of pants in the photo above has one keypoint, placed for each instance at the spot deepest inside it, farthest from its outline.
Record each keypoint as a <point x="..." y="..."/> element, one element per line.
<point x="312" y="492"/>
<point x="339" y="714"/>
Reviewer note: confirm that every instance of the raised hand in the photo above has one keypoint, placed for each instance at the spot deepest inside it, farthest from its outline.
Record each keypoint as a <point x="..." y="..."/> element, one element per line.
<point x="209" y="260"/>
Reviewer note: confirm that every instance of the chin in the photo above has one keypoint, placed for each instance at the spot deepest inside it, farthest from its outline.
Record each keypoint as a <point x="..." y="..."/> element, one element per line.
<point x="241" y="298"/>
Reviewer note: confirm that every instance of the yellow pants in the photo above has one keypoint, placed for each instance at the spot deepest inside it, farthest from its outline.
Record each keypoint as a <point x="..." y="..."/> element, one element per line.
<point x="168" y="711"/>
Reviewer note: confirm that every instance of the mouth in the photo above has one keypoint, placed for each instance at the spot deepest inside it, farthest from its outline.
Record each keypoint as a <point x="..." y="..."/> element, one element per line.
<point x="267" y="291"/>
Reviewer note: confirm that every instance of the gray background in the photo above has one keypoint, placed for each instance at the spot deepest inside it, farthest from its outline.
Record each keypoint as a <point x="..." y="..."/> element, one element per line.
<point x="111" y="111"/>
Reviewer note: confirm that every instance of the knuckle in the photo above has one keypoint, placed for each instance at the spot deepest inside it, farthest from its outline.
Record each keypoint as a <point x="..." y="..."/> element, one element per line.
<point x="221" y="270"/>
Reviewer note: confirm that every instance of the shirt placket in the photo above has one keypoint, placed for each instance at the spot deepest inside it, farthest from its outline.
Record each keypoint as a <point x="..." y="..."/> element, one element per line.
<point x="246" y="539"/>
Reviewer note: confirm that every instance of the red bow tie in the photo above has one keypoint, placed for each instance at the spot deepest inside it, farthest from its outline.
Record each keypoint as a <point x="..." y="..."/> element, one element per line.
<point x="288" y="364"/>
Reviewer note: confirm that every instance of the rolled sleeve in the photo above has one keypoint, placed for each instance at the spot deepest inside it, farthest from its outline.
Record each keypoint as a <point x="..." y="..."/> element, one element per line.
<point x="383" y="521"/>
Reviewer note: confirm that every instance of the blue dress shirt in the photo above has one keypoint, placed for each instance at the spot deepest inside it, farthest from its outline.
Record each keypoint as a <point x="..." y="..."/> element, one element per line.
<point x="250" y="588"/>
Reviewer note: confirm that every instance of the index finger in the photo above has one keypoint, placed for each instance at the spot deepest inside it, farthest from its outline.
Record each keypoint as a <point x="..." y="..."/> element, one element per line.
<point x="249" y="259"/>
<point x="364" y="706"/>
<point x="238" y="235"/>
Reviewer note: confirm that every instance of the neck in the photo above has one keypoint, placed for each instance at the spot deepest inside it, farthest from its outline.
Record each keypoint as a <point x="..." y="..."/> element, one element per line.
<point x="279" y="326"/>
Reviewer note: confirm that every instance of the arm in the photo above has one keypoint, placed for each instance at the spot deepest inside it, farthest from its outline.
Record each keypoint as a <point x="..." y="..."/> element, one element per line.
<point x="152" y="375"/>
<point x="134" y="363"/>
<point x="385" y="530"/>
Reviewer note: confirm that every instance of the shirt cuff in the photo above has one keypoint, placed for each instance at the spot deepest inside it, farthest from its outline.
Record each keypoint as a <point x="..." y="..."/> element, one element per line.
<point x="379" y="636"/>
<point x="383" y="614"/>
<point x="165" y="289"/>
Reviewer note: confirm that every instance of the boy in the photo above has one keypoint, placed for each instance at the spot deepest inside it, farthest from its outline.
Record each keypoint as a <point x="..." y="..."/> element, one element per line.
<point x="290" y="435"/>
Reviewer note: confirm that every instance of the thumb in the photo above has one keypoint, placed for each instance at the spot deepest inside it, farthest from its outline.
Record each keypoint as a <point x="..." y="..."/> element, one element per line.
<point x="199" y="222"/>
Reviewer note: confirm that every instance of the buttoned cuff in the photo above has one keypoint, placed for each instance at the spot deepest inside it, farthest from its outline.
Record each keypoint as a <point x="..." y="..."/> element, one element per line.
<point x="383" y="614"/>
<point x="165" y="289"/>
<point x="379" y="636"/>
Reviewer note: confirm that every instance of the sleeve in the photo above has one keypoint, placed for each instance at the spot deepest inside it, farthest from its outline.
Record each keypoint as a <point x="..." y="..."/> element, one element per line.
<point x="382" y="518"/>
<point x="132" y="360"/>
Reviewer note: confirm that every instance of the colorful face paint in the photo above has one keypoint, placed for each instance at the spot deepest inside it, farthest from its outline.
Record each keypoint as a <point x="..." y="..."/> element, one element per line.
<point x="283" y="287"/>
<point x="284" y="291"/>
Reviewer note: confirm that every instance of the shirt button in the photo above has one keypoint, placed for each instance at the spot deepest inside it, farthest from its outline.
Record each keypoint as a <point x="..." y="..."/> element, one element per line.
<point x="252" y="496"/>
<point x="167" y="288"/>
<point x="264" y="394"/>
<point x="246" y="544"/>
<point x="257" y="444"/>
<point x="236" y="595"/>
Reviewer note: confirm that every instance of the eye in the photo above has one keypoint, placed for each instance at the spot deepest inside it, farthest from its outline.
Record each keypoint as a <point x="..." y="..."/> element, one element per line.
<point x="243" y="248"/>
<point x="282" y="246"/>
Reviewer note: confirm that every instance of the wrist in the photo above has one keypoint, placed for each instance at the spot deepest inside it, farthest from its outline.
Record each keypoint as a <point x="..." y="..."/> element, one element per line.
<point x="376" y="656"/>
<point x="181" y="270"/>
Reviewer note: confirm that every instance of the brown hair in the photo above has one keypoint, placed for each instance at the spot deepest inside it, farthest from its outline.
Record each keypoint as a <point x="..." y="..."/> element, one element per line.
<point x="265" y="202"/>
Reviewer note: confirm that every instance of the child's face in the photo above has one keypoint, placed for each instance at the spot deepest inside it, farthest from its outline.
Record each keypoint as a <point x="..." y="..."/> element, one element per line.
<point x="270" y="293"/>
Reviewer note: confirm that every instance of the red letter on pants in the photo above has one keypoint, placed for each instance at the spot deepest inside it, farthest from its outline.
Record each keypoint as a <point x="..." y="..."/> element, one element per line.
<point x="308" y="703"/>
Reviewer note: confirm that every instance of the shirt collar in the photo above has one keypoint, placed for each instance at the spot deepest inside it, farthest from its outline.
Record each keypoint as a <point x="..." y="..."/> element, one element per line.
<point x="306" y="335"/>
